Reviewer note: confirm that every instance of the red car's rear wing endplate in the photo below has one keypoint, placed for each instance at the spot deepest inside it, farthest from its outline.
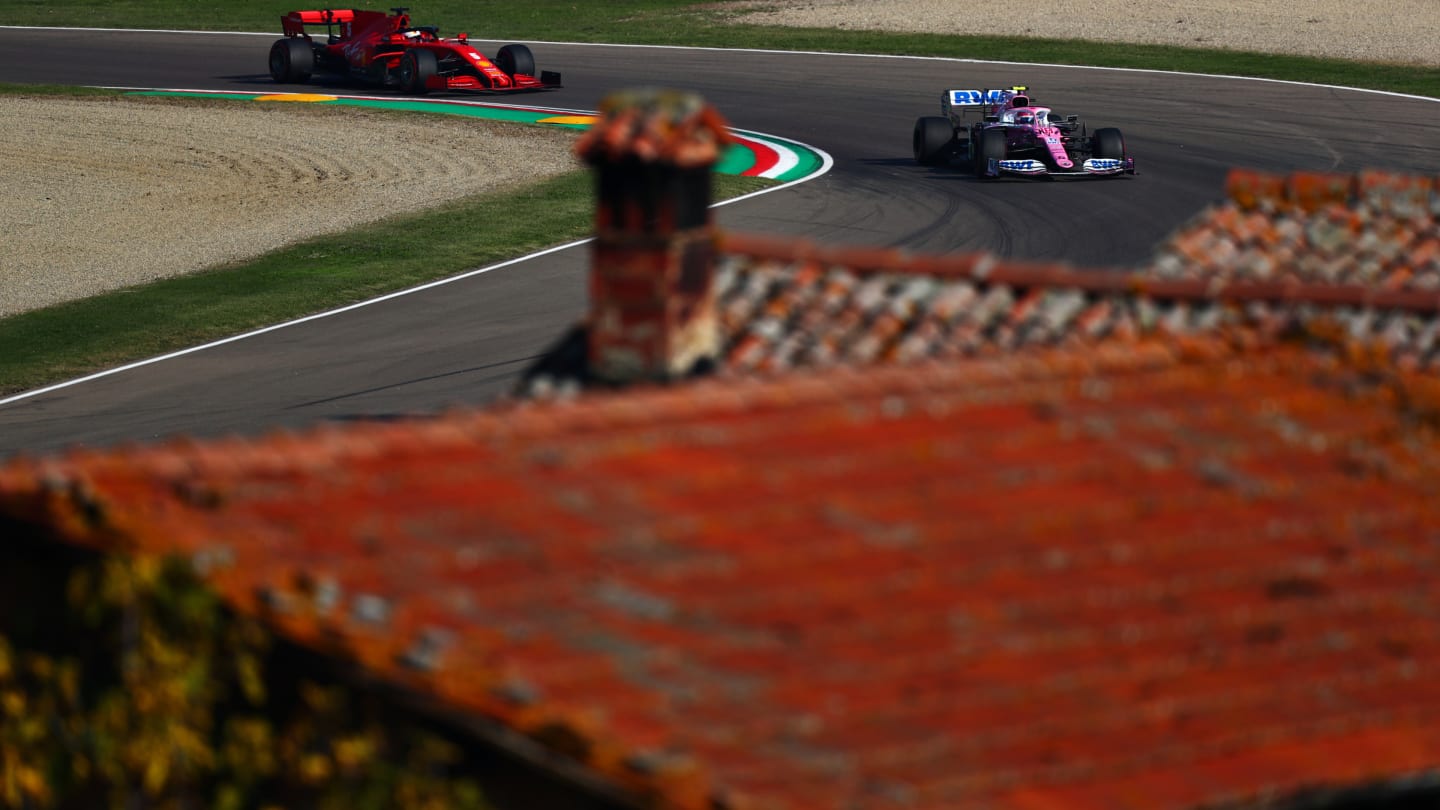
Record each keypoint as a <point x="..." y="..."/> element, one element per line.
<point x="294" y="23"/>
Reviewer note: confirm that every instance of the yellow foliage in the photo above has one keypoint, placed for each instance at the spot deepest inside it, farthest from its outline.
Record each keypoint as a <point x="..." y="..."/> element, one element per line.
<point x="249" y="747"/>
<point x="352" y="753"/>
<point x="146" y="571"/>
<point x="68" y="681"/>
<point x="318" y="698"/>
<point x="81" y="587"/>
<point x="315" y="768"/>
<point x="150" y="721"/>
<point x="41" y="667"/>
<point x="157" y="769"/>
<point x="32" y="784"/>
<point x="252" y="682"/>
<point x="80" y="767"/>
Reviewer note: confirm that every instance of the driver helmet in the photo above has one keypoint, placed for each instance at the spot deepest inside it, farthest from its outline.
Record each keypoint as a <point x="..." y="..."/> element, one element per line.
<point x="1025" y="117"/>
<point x="412" y="34"/>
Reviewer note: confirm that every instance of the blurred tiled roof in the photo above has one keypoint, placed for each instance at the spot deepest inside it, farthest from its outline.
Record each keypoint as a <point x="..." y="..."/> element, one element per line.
<point x="1362" y="249"/>
<point x="1149" y="575"/>
<point x="786" y="304"/>
<point x="1373" y="229"/>
<point x="1179" y="554"/>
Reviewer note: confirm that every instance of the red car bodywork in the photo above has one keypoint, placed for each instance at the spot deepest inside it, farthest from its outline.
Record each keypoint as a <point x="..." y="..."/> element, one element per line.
<point x="384" y="49"/>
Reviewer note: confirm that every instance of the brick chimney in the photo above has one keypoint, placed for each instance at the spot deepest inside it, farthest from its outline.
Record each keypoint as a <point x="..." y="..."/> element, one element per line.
<point x="652" y="291"/>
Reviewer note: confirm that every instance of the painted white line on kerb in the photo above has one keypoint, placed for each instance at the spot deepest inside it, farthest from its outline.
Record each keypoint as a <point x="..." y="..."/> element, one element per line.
<point x="826" y="164"/>
<point x="786" y="158"/>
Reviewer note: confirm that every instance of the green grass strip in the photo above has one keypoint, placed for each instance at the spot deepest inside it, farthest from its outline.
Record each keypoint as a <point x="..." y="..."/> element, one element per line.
<point x="80" y="337"/>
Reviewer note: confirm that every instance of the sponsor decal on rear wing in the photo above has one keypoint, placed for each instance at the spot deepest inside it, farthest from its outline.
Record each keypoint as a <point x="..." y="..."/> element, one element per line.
<point x="960" y="100"/>
<point x="974" y="98"/>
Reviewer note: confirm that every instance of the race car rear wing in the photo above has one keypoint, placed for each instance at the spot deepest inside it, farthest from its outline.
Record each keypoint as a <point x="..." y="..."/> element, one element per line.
<point x="956" y="102"/>
<point x="293" y="24"/>
<point x="975" y="98"/>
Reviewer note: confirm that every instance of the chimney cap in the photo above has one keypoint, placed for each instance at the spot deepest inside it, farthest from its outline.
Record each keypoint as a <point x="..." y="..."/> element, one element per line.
<point x="655" y="125"/>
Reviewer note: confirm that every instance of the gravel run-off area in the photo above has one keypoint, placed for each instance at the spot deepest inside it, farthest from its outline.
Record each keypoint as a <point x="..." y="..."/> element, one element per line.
<point x="103" y="193"/>
<point x="1398" y="31"/>
<point x="106" y="192"/>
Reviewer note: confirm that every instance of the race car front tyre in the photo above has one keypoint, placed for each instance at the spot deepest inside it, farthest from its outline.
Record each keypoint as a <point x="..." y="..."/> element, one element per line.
<point x="291" y="60"/>
<point x="513" y="59"/>
<point x="991" y="144"/>
<point x="1108" y="143"/>
<point x="416" y="68"/>
<point x="933" y="141"/>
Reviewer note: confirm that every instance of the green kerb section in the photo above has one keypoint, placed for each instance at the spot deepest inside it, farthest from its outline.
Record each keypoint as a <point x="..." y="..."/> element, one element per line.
<point x="490" y="113"/>
<point x="809" y="162"/>
<point x="736" y="160"/>
<point x="181" y="94"/>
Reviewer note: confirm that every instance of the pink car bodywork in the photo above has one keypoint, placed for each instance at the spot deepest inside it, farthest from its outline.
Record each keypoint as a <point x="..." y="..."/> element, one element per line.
<point x="1016" y="136"/>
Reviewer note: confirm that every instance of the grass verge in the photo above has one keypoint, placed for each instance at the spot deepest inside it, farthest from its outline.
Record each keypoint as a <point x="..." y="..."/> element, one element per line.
<point x="79" y="337"/>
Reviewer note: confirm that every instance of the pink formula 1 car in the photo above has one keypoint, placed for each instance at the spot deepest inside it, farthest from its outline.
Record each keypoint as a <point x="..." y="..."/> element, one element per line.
<point x="385" y="50"/>
<point x="1015" y="136"/>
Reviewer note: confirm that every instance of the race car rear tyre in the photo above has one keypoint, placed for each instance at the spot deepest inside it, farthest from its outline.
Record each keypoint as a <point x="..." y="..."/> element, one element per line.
<point x="291" y="60"/>
<point x="416" y="68"/>
<point x="991" y="144"/>
<point x="1108" y="143"/>
<point x="934" y="140"/>
<point x="513" y="59"/>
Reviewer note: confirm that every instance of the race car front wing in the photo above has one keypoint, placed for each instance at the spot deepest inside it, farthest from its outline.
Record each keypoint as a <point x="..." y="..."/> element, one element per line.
<point x="1091" y="167"/>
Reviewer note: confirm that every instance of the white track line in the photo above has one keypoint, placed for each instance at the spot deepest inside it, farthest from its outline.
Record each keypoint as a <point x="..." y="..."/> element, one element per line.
<point x="317" y="316"/>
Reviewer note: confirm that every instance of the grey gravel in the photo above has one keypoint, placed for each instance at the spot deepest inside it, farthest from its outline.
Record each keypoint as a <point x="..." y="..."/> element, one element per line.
<point x="102" y="193"/>
<point x="1398" y="31"/>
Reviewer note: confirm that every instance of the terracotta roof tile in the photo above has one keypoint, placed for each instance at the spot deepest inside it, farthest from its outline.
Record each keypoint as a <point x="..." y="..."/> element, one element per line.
<point x="1372" y="229"/>
<point x="778" y="316"/>
<point x="1178" y="552"/>
<point x="785" y="305"/>
<point x="1090" y="579"/>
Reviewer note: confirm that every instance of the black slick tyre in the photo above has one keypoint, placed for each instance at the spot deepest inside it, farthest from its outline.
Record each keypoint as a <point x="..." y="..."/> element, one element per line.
<point x="991" y="144"/>
<point x="416" y="68"/>
<point x="515" y="59"/>
<point x="933" y="141"/>
<point x="291" y="60"/>
<point x="1108" y="143"/>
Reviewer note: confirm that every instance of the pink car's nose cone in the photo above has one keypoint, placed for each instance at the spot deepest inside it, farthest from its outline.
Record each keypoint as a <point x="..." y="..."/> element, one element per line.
<point x="1051" y="137"/>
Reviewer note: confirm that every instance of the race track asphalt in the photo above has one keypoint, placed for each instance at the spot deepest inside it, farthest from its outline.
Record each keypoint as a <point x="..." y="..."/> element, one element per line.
<point x="465" y="343"/>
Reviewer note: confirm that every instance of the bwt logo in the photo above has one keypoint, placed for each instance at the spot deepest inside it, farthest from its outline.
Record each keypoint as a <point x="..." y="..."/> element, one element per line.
<point x="970" y="97"/>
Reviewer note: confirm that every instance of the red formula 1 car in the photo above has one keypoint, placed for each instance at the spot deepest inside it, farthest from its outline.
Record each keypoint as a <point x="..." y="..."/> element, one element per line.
<point x="385" y="50"/>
